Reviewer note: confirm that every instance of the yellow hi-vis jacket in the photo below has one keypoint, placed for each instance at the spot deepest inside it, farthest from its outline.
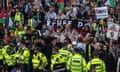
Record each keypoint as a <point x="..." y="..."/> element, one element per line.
<point x="4" y="50"/>
<point x="56" y="59"/>
<point x="66" y="54"/>
<point x="1" y="55"/>
<point x="17" y="32"/>
<point x="76" y="63"/>
<point x="10" y="60"/>
<point x="39" y="61"/>
<point x="18" y="17"/>
<point x="30" y="23"/>
<point x="23" y="56"/>
<point x="98" y="63"/>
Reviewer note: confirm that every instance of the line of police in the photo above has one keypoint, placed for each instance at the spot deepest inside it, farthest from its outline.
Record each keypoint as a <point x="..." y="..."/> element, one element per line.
<point x="66" y="59"/>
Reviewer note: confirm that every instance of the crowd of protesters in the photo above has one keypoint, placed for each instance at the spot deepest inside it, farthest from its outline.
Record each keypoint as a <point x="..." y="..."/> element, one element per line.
<point x="24" y="27"/>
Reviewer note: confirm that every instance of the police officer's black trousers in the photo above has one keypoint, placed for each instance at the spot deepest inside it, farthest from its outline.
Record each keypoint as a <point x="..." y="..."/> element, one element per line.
<point x="1" y="65"/>
<point x="9" y="68"/>
<point x="23" y="67"/>
<point x="37" y="70"/>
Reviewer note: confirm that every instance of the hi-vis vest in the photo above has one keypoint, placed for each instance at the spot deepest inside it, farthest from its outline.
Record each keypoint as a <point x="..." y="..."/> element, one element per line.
<point x="4" y="50"/>
<point x="56" y="59"/>
<point x="18" y="17"/>
<point x="89" y="51"/>
<point x="65" y="54"/>
<point x="76" y="63"/>
<point x="10" y="60"/>
<point x="24" y="55"/>
<point x="98" y="64"/>
<point x="30" y="23"/>
<point x="17" y="33"/>
<point x="94" y="26"/>
<point x="1" y="56"/>
<point x="38" y="60"/>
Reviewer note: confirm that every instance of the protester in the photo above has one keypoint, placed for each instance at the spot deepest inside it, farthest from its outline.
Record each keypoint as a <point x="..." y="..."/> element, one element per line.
<point x="108" y="59"/>
<point x="39" y="61"/>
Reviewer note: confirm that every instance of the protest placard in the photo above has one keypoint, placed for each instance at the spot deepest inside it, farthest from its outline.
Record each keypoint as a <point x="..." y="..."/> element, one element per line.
<point x="112" y="31"/>
<point x="101" y="12"/>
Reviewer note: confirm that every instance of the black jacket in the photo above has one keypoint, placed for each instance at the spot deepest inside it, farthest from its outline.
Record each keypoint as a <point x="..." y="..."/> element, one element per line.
<point x="87" y="51"/>
<point x="109" y="60"/>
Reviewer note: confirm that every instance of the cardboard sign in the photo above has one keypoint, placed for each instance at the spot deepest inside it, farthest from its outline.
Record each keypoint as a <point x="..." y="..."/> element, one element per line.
<point x="112" y="31"/>
<point x="101" y="12"/>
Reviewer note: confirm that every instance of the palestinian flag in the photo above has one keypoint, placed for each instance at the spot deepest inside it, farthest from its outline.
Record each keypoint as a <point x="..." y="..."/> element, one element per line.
<point x="2" y="17"/>
<point x="60" y="4"/>
<point x="112" y="3"/>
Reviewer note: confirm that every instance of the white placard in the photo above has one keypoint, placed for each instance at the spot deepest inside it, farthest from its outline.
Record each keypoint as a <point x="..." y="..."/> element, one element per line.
<point x="101" y="12"/>
<point x="113" y="30"/>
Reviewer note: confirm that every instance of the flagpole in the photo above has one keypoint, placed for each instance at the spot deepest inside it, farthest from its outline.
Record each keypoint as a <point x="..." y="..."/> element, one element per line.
<point x="3" y="3"/>
<point x="118" y="10"/>
<point x="7" y="2"/>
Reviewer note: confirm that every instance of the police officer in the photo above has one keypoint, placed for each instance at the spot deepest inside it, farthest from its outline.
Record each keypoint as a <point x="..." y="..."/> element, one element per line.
<point x="65" y="53"/>
<point x="18" y="16"/>
<point x="10" y="59"/>
<point x="19" y="30"/>
<point x="57" y="61"/>
<point x="76" y="62"/>
<point x="30" y="23"/>
<point x="1" y="59"/>
<point x="23" y="54"/>
<point x="4" y="49"/>
<point x="39" y="61"/>
<point x="97" y="63"/>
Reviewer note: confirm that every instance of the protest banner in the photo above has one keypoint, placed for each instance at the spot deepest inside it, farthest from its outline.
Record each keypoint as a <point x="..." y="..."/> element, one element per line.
<point x="78" y="23"/>
<point x="112" y="31"/>
<point x="101" y="12"/>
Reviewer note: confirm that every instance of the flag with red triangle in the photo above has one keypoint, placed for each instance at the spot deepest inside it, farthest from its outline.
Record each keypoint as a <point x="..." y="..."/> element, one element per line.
<point x="2" y="16"/>
<point x="60" y="4"/>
